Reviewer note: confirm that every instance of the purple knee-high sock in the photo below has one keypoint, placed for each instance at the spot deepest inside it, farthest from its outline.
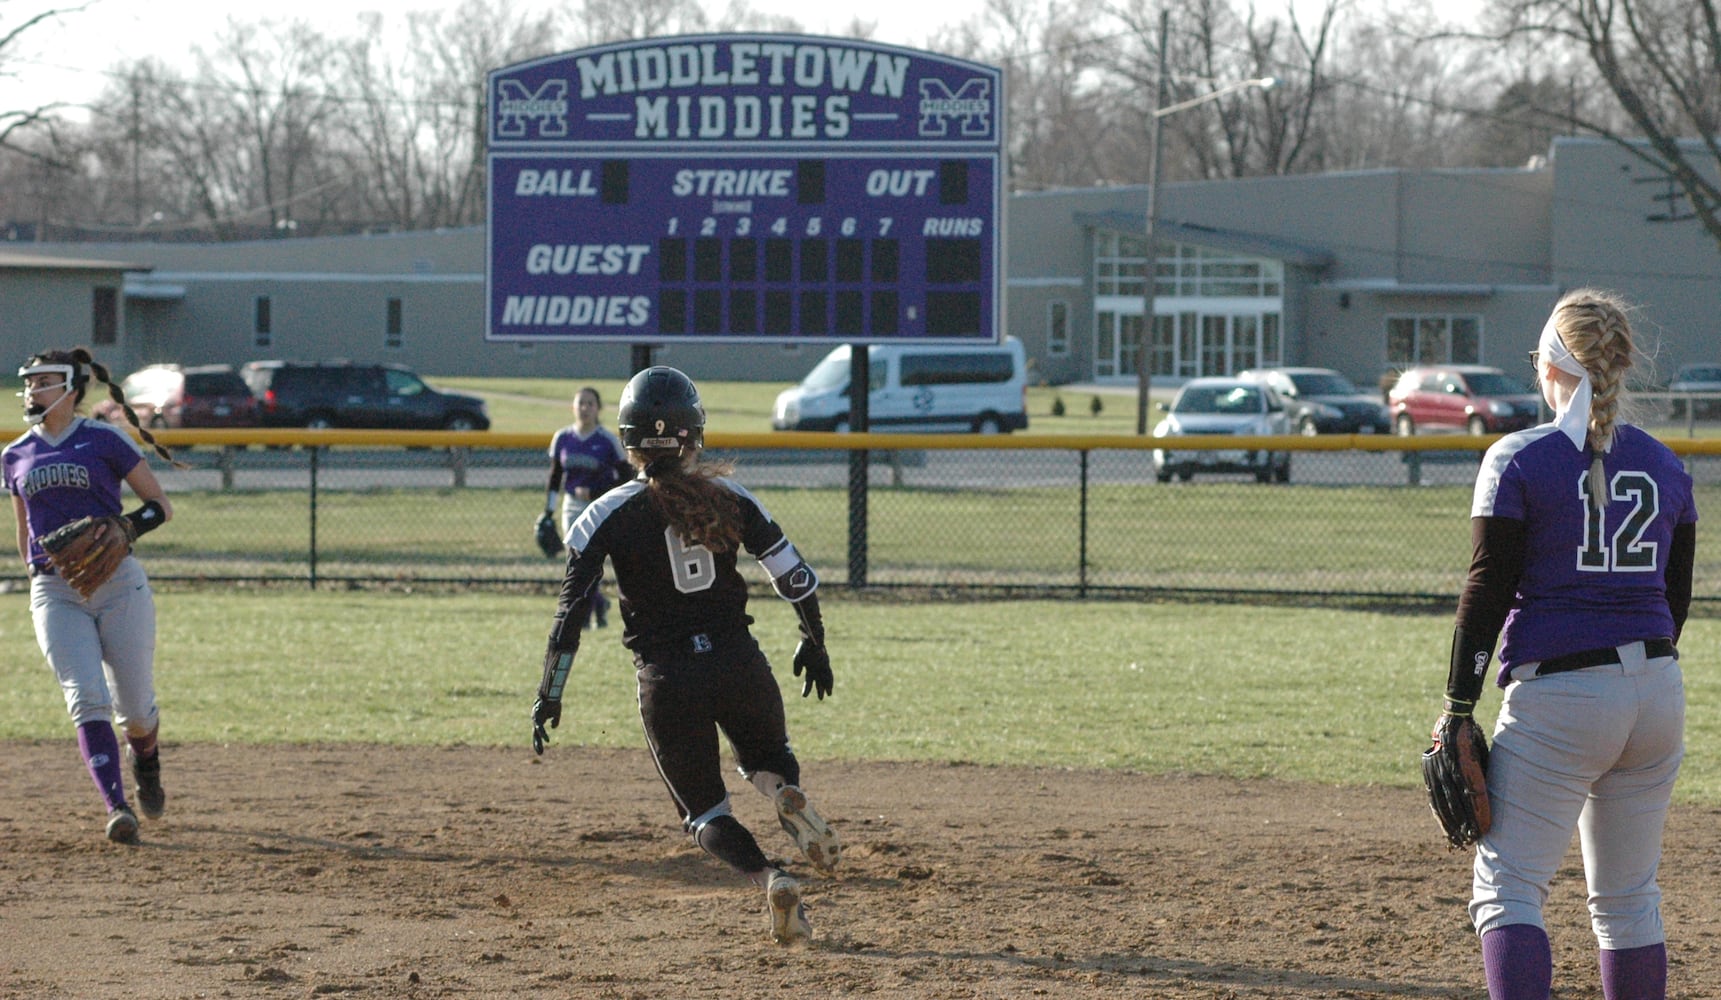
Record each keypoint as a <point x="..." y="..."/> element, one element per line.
<point x="1519" y="962"/>
<point x="1634" y="973"/>
<point x="101" y="750"/>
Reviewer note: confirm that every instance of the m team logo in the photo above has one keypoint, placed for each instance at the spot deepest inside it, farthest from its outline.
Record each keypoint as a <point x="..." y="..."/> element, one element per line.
<point x="515" y="104"/>
<point x="972" y="105"/>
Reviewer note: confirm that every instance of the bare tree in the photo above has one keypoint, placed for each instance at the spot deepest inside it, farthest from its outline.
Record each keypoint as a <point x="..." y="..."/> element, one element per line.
<point x="412" y="131"/>
<point x="14" y="27"/>
<point x="598" y="21"/>
<point x="1516" y="130"/>
<point x="1212" y="45"/>
<point x="1399" y="95"/>
<point x="245" y="134"/>
<point x="1660" y="60"/>
<point x="1064" y="127"/>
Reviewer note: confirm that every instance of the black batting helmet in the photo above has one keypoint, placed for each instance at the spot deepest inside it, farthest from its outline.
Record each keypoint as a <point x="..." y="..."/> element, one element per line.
<point x="660" y="409"/>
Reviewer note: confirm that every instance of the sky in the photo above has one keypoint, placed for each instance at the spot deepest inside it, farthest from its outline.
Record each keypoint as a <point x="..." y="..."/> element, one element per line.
<point x="65" y="60"/>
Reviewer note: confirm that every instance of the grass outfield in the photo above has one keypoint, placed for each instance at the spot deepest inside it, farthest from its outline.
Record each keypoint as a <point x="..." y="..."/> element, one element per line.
<point x="1327" y="695"/>
<point x="1309" y="538"/>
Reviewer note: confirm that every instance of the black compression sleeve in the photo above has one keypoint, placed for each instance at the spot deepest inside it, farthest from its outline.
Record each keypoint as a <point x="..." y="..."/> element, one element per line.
<point x="812" y="622"/>
<point x="555" y="477"/>
<point x="1496" y="563"/>
<point x="578" y="583"/>
<point x="1469" y="668"/>
<point x="1679" y="560"/>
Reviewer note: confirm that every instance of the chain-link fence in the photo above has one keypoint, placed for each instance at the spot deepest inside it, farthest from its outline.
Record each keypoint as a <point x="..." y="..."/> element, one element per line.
<point x="1359" y="516"/>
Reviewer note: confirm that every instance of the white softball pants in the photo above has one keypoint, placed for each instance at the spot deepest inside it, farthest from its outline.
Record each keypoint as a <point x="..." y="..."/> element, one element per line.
<point x="1597" y="750"/>
<point x="103" y="651"/>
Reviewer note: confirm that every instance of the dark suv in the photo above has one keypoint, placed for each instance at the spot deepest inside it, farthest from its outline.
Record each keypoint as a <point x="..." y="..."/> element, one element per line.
<point x="342" y="394"/>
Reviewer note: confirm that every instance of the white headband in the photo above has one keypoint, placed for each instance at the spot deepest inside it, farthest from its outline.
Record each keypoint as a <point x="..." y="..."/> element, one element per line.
<point x="67" y="370"/>
<point x="1574" y="420"/>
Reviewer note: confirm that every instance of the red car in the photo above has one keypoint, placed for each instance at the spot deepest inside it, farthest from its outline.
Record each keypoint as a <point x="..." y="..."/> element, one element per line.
<point x="1472" y="398"/>
<point x="176" y="396"/>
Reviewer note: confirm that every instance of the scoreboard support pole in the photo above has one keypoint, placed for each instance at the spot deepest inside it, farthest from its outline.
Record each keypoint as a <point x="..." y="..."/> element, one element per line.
<point x="860" y="377"/>
<point x="641" y="359"/>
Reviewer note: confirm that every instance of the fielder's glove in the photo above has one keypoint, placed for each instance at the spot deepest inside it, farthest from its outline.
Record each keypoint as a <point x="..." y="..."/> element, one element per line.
<point x="544" y="533"/>
<point x="812" y="658"/>
<point x="544" y="710"/>
<point x="1454" y="770"/>
<point x="87" y="551"/>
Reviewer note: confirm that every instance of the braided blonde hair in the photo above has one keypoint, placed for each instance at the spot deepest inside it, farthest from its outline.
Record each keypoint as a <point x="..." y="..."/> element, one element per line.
<point x="1594" y="326"/>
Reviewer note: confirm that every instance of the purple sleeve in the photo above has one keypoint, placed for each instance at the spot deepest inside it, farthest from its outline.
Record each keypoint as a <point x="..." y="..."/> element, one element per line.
<point x="121" y="455"/>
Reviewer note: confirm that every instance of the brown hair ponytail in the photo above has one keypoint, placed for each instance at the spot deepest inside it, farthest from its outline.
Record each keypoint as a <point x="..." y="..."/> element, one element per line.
<point x="685" y="491"/>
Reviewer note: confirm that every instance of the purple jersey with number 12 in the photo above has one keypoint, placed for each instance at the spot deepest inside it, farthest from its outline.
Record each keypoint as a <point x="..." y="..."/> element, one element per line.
<point x="1587" y="583"/>
<point x="61" y="480"/>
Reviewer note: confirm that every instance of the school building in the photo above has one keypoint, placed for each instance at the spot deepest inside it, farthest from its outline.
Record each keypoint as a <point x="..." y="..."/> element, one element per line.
<point x="1363" y="271"/>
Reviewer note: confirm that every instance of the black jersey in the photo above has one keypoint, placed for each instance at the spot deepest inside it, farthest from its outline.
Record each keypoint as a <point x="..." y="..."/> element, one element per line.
<point x="670" y="591"/>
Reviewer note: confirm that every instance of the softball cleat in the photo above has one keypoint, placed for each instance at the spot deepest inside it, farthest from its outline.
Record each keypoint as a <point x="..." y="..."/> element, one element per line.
<point x="816" y="840"/>
<point x="122" y="826"/>
<point x="788" y="916"/>
<point x="151" y="799"/>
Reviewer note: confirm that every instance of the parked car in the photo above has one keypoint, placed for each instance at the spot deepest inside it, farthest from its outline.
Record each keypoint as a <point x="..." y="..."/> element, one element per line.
<point x="1223" y="406"/>
<point x="1321" y="401"/>
<point x="180" y="396"/>
<point x="1700" y="379"/>
<point x="343" y="394"/>
<point x="1472" y="398"/>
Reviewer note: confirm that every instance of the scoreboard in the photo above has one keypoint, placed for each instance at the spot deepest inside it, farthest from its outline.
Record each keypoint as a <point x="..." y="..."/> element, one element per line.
<point x="763" y="188"/>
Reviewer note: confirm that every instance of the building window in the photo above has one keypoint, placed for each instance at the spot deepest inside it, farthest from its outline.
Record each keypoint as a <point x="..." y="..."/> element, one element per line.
<point x="392" y="330"/>
<point x="1433" y="340"/>
<point x="1199" y="272"/>
<point x="264" y="331"/>
<point x="1118" y="264"/>
<point x="1183" y="270"/>
<point x="1057" y="328"/>
<point x="104" y="314"/>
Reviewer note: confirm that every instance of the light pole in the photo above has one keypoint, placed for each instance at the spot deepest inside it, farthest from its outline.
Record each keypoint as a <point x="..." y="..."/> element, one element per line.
<point x="1150" y="275"/>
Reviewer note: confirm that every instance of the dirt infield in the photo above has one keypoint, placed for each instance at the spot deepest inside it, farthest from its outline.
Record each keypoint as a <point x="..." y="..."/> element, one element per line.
<point x="355" y="871"/>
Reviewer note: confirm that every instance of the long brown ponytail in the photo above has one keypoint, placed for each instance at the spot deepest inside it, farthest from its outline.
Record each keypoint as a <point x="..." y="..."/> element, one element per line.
<point x="685" y="491"/>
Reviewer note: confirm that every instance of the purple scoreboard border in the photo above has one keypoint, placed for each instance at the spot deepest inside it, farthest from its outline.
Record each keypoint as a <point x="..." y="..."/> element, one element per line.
<point x="743" y="110"/>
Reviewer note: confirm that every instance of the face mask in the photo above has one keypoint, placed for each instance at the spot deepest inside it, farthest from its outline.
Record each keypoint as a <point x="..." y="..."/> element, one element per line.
<point x="34" y="412"/>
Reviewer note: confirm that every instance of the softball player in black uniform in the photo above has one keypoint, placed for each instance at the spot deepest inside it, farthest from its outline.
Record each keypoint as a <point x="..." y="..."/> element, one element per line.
<point x="673" y="534"/>
<point x="1585" y="534"/>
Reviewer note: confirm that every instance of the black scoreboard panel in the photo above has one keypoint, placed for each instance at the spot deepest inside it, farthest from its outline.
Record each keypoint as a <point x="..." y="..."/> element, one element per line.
<point x="850" y="247"/>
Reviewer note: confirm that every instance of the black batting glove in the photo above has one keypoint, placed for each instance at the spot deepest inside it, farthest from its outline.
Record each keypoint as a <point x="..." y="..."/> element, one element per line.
<point x="544" y="710"/>
<point x="812" y="658"/>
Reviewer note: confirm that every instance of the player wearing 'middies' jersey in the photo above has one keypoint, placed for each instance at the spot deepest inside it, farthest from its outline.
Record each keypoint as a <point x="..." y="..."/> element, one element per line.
<point x="101" y="649"/>
<point x="1584" y="534"/>
<point x="674" y="535"/>
<point x="586" y="459"/>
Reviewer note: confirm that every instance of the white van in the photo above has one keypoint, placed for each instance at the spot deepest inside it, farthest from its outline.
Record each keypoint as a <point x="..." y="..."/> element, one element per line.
<point x="915" y="387"/>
